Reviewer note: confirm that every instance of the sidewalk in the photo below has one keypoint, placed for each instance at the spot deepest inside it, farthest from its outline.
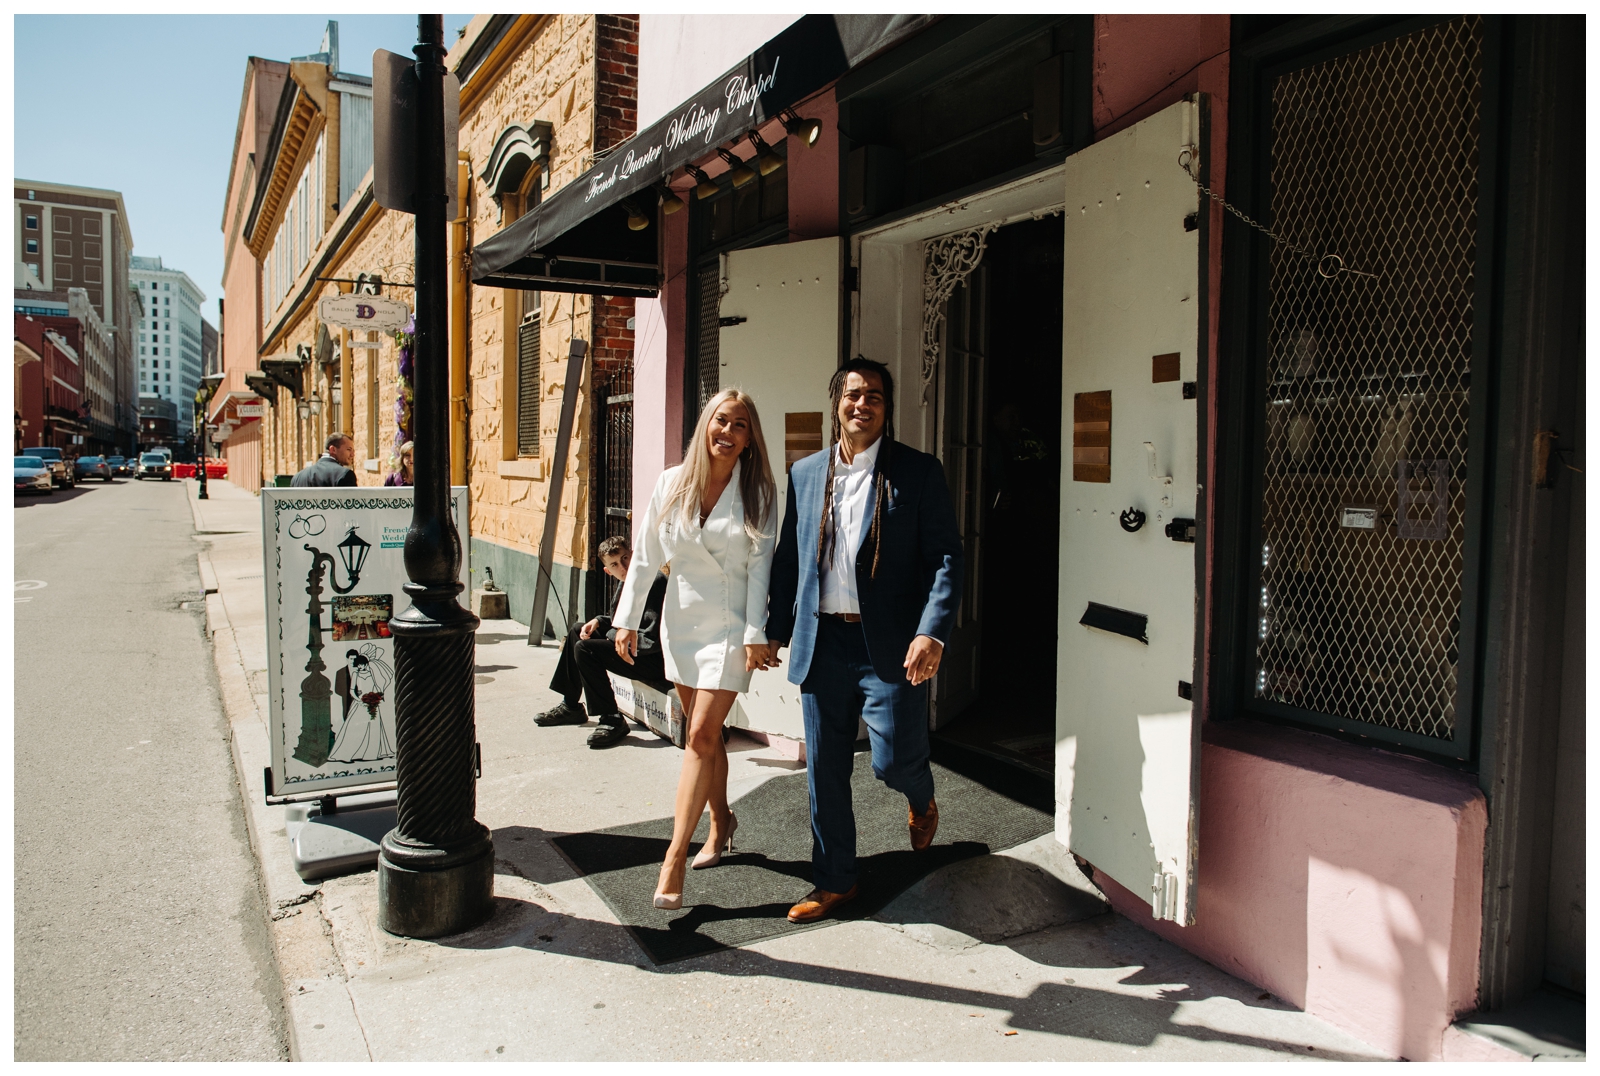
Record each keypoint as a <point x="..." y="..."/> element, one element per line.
<point x="1005" y="957"/>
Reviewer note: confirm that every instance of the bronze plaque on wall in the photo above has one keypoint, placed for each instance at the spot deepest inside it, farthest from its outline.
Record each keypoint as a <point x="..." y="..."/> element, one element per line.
<point x="1091" y="436"/>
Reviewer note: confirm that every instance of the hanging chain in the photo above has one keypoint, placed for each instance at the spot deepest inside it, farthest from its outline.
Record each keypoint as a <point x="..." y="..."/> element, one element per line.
<point x="1328" y="265"/>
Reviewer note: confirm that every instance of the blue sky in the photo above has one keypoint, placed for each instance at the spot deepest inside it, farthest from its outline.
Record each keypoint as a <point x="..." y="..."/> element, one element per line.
<point x="149" y="107"/>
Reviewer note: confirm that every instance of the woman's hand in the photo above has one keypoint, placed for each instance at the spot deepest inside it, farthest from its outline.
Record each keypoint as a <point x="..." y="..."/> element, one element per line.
<point x="760" y="656"/>
<point x="627" y="644"/>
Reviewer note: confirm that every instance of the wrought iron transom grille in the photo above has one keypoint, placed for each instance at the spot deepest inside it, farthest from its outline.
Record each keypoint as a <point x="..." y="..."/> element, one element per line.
<point x="708" y="352"/>
<point x="1375" y="160"/>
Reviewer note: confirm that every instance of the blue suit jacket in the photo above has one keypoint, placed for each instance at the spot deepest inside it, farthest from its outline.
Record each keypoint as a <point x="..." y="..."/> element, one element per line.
<point x="919" y="569"/>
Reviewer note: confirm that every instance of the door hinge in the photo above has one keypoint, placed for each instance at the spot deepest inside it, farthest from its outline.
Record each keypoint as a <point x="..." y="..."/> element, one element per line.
<point x="1164" y="896"/>
<point x="736" y="319"/>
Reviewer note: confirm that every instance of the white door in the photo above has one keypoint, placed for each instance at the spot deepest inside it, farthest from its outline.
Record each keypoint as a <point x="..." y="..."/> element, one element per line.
<point x="1127" y="749"/>
<point x="780" y="344"/>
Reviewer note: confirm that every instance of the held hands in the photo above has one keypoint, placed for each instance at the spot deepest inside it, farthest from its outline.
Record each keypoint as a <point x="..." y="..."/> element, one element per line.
<point x="922" y="659"/>
<point x="588" y="629"/>
<point x="761" y="656"/>
<point x="627" y="644"/>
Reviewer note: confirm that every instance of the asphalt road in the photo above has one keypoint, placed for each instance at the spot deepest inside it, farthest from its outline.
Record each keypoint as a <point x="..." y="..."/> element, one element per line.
<point x="139" y="924"/>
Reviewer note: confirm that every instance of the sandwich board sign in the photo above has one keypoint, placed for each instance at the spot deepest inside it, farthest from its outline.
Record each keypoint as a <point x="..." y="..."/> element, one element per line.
<point x="334" y="574"/>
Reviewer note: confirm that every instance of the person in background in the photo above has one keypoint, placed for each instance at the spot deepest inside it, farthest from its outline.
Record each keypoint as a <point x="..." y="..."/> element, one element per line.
<point x="590" y="652"/>
<point x="403" y="476"/>
<point x="333" y="468"/>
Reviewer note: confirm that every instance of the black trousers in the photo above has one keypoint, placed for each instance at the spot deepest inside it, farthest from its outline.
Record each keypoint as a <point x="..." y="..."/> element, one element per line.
<point x="583" y="666"/>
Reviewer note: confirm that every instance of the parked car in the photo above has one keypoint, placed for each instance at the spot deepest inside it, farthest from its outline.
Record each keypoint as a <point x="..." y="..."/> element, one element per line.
<point x="120" y="465"/>
<point x="60" y="467"/>
<point x="32" y="475"/>
<point x="91" y="467"/>
<point x="154" y="465"/>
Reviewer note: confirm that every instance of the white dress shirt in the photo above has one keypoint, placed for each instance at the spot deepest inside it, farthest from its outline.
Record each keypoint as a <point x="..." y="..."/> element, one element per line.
<point x="852" y="483"/>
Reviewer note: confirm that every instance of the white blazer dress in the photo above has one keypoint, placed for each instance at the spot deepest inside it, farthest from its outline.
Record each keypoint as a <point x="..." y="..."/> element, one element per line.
<point x="716" y="600"/>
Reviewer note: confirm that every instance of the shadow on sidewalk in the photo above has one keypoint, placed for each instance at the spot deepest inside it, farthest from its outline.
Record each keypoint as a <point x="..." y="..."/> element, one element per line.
<point x="1063" y="1008"/>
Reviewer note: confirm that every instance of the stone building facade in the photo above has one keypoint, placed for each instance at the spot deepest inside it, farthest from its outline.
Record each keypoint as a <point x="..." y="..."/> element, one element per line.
<point x="541" y="96"/>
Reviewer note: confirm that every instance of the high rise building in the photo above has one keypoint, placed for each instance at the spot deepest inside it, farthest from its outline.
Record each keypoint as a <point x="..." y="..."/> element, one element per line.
<point x="170" y="356"/>
<point x="69" y="239"/>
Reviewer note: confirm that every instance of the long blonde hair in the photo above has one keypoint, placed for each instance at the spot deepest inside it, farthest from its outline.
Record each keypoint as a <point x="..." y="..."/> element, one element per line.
<point x="755" y="474"/>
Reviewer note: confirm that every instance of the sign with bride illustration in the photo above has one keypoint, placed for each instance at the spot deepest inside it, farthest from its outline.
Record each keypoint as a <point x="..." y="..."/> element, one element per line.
<point x="334" y="577"/>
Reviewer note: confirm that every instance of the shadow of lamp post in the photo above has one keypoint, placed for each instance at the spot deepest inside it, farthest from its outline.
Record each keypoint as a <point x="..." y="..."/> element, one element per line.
<point x="316" y="694"/>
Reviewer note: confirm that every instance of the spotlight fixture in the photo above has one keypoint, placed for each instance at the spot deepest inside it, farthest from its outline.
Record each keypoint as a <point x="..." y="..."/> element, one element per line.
<point x="767" y="161"/>
<point x="738" y="171"/>
<point x="706" y="187"/>
<point x="669" y="200"/>
<point x="808" y="129"/>
<point x="637" y="221"/>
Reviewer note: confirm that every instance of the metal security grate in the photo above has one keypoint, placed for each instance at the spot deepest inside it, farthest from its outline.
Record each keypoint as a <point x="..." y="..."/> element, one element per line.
<point x="709" y="351"/>
<point x="528" y="386"/>
<point x="1375" y="161"/>
<point x="617" y="494"/>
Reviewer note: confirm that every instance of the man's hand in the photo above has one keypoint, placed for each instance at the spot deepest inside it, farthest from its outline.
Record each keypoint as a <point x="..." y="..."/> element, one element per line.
<point x="588" y="629"/>
<point x="922" y="658"/>
<point x="627" y="644"/>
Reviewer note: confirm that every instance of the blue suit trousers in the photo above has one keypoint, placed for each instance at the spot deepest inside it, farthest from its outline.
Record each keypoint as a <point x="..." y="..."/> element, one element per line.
<point x="840" y="687"/>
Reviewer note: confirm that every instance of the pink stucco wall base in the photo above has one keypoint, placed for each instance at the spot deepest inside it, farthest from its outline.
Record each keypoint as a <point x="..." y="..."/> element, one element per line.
<point x="1346" y="880"/>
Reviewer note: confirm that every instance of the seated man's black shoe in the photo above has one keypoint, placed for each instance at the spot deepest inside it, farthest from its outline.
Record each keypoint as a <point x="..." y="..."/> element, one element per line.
<point x="567" y="713"/>
<point x="612" y="730"/>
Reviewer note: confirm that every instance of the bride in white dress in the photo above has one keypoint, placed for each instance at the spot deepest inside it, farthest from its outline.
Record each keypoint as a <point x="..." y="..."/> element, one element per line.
<point x="714" y="518"/>
<point x="365" y="736"/>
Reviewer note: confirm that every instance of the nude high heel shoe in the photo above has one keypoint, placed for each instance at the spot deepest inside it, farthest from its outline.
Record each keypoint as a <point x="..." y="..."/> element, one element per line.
<point x="711" y="859"/>
<point x="670" y="902"/>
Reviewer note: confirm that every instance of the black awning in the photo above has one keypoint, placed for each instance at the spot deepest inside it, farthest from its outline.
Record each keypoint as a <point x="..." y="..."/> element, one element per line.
<point x="579" y="241"/>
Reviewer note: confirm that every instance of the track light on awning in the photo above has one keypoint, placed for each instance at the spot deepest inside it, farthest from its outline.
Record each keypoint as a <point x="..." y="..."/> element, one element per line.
<point x="637" y="221"/>
<point x="767" y="160"/>
<point x="706" y="186"/>
<point x="738" y="171"/>
<point x="670" y="202"/>
<point x="808" y="129"/>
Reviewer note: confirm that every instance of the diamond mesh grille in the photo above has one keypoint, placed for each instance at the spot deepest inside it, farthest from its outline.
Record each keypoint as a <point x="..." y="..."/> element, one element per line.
<point x="1375" y="160"/>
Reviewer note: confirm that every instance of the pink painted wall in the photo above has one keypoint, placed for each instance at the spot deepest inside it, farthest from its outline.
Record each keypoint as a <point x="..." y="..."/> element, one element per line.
<point x="814" y="173"/>
<point x="1346" y="880"/>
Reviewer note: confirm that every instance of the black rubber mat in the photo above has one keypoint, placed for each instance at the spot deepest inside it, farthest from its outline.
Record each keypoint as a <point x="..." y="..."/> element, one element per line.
<point x="747" y="897"/>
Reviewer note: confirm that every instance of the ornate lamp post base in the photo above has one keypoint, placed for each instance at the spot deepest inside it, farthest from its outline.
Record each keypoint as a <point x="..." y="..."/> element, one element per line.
<point x="436" y="867"/>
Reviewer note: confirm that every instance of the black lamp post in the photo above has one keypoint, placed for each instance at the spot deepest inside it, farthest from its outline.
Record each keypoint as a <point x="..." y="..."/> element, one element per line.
<point x="436" y="867"/>
<point x="202" y="402"/>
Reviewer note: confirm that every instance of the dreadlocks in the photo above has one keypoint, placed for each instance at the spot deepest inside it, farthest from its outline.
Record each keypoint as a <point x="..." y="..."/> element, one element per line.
<point x="880" y="478"/>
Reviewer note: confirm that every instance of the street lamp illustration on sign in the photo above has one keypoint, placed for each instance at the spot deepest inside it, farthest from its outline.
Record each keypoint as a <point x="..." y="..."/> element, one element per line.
<point x="316" y="718"/>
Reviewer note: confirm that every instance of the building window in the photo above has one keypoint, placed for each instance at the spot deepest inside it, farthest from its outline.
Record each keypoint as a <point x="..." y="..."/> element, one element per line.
<point x="63" y="271"/>
<point x="63" y="248"/>
<point x="63" y="224"/>
<point x="1358" y="600"/>
<point x="33" y="246"/>
<point x="528" y="379"/>
<point x="91" y="274"/>
<point x="91" y="250"/>
<point x="32" y="222"/>
<point x="167" y="287"/>
<point x="91" y="226"/>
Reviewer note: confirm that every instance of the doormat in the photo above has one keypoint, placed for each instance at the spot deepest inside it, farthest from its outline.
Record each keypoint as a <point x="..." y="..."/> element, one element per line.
<point x="747" y="897"/>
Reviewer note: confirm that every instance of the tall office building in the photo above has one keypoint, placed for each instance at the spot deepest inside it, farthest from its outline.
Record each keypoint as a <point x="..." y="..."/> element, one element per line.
<point x="70" y="238"/>
<point x="170" y="334"/>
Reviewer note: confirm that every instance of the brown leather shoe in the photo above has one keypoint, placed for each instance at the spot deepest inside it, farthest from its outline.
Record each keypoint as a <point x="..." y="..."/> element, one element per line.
<point x="819" y="904"/>
<point x="923" y="826"/>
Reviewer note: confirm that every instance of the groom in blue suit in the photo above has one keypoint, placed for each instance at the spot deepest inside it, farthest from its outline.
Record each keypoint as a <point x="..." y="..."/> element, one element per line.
<point x="864" y="590"/>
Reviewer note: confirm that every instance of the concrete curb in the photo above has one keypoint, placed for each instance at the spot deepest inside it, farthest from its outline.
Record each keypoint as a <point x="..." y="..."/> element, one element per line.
<point x="323" y="1005"/>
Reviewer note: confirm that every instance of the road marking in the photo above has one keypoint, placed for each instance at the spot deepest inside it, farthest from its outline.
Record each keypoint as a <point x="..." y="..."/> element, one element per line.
<point x="30" y="584"/>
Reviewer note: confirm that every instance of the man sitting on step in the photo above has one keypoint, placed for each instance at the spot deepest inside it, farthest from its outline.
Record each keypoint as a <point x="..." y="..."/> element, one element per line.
<point x="589" y="653"/>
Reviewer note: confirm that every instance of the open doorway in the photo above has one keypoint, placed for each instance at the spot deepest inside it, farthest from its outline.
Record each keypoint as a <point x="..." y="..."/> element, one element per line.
<point x="1000" y="419"/>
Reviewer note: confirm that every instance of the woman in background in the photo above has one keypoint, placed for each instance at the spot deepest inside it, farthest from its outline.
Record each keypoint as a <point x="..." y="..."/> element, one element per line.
<point x="402" y="477"/>
<point x="715" y="518"/>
